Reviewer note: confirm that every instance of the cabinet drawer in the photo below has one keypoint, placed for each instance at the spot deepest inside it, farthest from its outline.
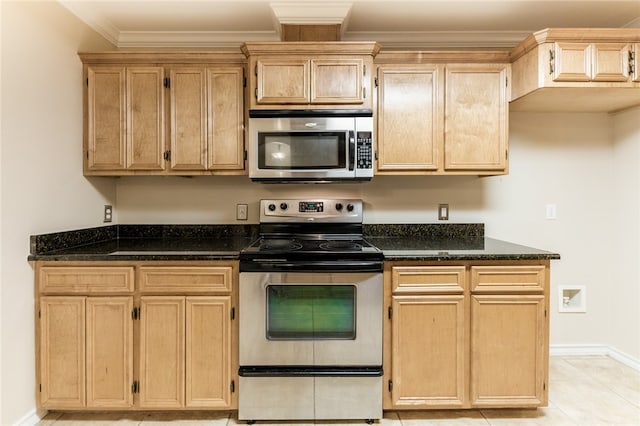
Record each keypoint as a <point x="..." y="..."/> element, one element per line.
<point x="428" y="279"/>
<point x="507" y="279"/>
<point x="170" y="279"/>
<point x="86" y="279"/>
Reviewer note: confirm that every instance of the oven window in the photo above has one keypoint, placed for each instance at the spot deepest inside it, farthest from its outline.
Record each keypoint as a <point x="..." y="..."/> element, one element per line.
<point x="310" y="312"/>
<point x="302" y="150"/>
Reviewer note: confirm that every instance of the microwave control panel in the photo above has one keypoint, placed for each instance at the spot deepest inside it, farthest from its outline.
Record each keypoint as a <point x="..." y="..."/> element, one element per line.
<point x="364" y="151"/>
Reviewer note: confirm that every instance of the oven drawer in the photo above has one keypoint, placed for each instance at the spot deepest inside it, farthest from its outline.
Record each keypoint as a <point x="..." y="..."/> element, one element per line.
<point x="307" y="398"/>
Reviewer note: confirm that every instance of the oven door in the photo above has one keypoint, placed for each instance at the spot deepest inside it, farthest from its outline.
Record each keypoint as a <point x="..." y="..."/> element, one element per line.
<point x="310" y="319"/>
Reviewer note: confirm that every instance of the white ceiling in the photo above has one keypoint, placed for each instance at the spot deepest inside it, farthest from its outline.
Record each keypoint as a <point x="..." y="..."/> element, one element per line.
<point x="398" y="24"/>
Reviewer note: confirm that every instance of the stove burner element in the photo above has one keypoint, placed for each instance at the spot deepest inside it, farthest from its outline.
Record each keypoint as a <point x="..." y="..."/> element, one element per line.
<point x="279" y="244"/>
<point x="341" y="245"/>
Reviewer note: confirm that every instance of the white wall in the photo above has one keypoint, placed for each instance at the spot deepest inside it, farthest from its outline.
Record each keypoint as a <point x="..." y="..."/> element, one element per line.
<point x="564" y="159"/>
<point x="43" y="189"/>
<point x="625" y="288"/>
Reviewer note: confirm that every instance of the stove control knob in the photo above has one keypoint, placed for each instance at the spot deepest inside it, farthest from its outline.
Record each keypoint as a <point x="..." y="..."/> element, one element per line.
<point x="272" y="207"/>
<point x="283" y="206"/>
<point x="339" y="206"/>
<point x="350" y="207"/>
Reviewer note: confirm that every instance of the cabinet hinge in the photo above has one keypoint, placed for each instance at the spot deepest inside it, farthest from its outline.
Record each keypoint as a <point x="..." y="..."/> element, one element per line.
<point x="390" y="312"/>
<point x="545" y="313"/>
<point x="39" y="314"/>
<point x="364" y="70"/>
<point x="390" y="386"/>
<point x="245" y="155"/>
<point x="233" y="386"/>
<point x="40" y="387"/>
<point x="255" y="70"/>
<point x="375" y="155"/>
<point x="233" y="314"/>
<point x="88" y="79"/>
<point x="544" y="386"/>
<point x="167" y="155"/>
<point x="632" y="57"/>
<point x="375" y="81"/>
<point x="506" y="154"/>
<point x="135" y="387"/>
<point x="255" y="93"/>
<point x="551" y="57"/>
<point x="135" y="314"/>
<point x="244" y="81"/>
<point x="506" y="82"/>
<point x="364" y="93"/>
<point x="167" y="82"/>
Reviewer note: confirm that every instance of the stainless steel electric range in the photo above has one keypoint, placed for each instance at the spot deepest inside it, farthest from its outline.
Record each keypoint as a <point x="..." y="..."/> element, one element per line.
<point x="310" y="315"/>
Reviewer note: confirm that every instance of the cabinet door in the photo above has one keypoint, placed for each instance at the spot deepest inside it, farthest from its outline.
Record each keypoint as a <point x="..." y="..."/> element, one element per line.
<point x="282" y="81"/>
<point x="62" y="352"/>
<point x="162" y="352"/>
<point x="225" y="113"/>
<point x="188" y="119"/>
<point x="428" y="351"/>
<point x="507" y="350"/>
<point x="109" y="352"/>
<point x="105" y="121"/>
<point x="610" y="62"/>
<point x="410" y="126"/>
<point x="476" y="117"/>
<point x="572" y="62"/>
<point x="336" y="81"/>
<point x="145" y="118"/>
<point x="208" y="352"/>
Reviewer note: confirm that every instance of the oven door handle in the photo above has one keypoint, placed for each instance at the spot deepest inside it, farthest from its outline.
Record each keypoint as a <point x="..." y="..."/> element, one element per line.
<point x="312" y="266"/>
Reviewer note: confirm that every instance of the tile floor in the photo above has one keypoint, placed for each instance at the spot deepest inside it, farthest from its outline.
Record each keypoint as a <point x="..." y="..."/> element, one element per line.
<point x="583" y="391"/>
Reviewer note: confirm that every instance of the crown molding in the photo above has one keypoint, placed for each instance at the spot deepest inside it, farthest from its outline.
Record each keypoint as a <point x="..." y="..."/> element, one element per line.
<point x="192" y="39"/>
<point x="417" y="40"/>
<point x="97" y="22"/>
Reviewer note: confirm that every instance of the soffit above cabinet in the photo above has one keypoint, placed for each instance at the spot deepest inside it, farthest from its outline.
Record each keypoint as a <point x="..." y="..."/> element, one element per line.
<point x="395" y="24"/>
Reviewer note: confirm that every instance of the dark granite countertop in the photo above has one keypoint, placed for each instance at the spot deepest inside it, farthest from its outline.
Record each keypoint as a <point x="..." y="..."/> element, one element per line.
<point x="427" y="242"/>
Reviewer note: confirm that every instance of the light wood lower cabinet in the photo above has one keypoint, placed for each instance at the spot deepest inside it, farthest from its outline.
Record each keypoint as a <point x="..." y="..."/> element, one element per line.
<point x="165" y="341"/>
<point x="86" y="352"/>
<point x="185" y="352"/>
<point x="466" y="335"/>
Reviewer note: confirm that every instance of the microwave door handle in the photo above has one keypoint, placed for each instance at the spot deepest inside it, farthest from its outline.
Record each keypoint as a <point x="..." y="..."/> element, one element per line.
<point x="352" y="149"/>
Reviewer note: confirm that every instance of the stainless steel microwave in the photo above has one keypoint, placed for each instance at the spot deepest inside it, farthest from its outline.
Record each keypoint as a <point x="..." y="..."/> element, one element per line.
<point x="310" y="145"/>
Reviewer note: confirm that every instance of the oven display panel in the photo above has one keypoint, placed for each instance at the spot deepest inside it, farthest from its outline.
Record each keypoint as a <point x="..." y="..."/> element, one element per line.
<point x="311" y="206"/>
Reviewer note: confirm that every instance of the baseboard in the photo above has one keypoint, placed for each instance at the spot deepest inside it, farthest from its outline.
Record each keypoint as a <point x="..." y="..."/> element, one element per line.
<point x="32" y="418"/>
<point x="602" y="350"/>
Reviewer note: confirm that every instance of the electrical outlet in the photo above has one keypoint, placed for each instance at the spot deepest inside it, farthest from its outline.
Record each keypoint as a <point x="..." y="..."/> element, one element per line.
<point x="443" y="211"/>
<point x="108" y="213"/>
<point x="242" y="212"/>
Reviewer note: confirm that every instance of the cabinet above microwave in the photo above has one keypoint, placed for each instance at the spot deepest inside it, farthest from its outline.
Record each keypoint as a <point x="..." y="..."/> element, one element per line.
<point x="310" y="75"/>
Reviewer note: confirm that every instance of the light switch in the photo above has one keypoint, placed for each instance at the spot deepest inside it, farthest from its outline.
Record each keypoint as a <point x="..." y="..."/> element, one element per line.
<point x="443" y="211"/>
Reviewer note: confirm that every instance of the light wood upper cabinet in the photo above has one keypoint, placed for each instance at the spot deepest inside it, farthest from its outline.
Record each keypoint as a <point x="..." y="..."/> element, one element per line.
<point x="188" y="112"/>
<point x="442" y="118"/>
<point x="476" y="117"/>
<point x="303" y="75"/>
<point x="105" y="118"/>
<point x="310" y="81"/>
<point x="578" y="70"/>
<point x="410" y="118"/>
<point x="225" y="118"/>
<point x="125" y="118"/>
<point x="196" y="100"/>
<point x="86" y="352"/>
